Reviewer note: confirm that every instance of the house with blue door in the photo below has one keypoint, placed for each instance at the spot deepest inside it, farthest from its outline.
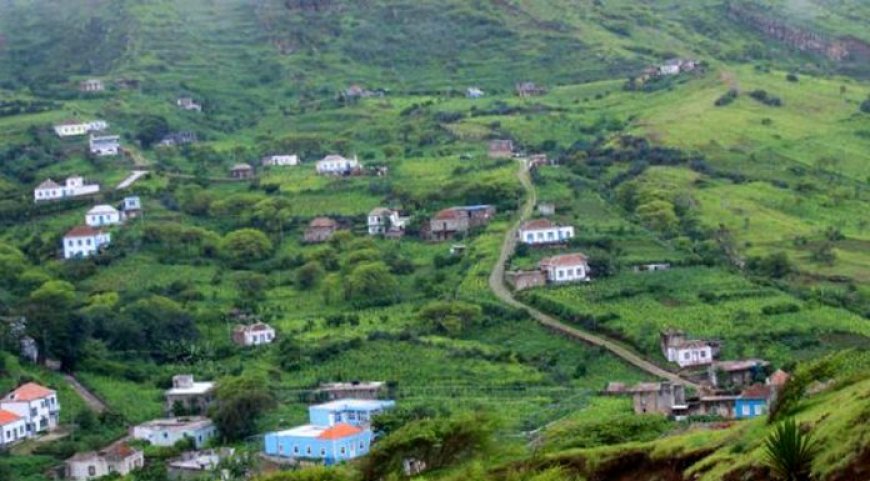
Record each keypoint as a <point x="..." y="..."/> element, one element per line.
<point x="338" y="431"/>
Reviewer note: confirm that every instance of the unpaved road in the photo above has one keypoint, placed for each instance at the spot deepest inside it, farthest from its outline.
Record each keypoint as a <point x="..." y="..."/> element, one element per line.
<point x="498" y="287"/>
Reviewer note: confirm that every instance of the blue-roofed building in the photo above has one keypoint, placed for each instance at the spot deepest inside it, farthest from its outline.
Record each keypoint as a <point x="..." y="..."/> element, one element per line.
<point x="338" y="431"/>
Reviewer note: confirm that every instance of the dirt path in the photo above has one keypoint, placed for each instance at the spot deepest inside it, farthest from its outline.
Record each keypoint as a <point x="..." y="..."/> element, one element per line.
<point x="498" y="287"/>
<point x="96" y="404"/>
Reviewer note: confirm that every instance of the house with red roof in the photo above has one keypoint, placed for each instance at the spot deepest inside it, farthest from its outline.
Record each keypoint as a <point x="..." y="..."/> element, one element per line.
<point x="37" y="405"/>
<point x="338" y="431"/>
<point x="84" y="241"/>
<point x="320" y="229"/>
<point x="457" y="220"/>
<point x="565" y="268"/>
<point x="13" y="428"/>
<point x="120" y="458"/>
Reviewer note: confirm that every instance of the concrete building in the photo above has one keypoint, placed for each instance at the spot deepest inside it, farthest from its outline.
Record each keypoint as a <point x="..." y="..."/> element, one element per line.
<point x="84" y="241"/>
<point x="103" y="215"/>
<point x="189" y="396"/>
<point x="338" y="165"/>
<point x="105" y="145"/>
<point x="73" y="187"/>
<point x="13" y="428"/>
<point x="253" y="334"/>
<point x="37" y="405"/>
<point x="565" y="268"/>
<point x="544" y="232"/>
<point x="338" y="431"/>
<point x="119" y="458"/>
<point x="167" y="432"/>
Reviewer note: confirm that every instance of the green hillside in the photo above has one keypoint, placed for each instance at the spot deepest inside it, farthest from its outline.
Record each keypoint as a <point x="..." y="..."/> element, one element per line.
<point x="748" y="175"/>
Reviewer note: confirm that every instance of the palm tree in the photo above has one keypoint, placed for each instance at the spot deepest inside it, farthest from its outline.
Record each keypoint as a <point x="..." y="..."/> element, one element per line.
<point x="789" y="452"/>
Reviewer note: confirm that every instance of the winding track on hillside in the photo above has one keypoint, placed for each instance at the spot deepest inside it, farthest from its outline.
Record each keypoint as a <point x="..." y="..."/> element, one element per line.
<point x="498" y="287"/>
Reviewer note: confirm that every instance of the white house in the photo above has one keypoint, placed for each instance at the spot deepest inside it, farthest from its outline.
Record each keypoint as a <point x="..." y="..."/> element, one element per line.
<point x="13" y="428"/>
<point x="118" y="458"/>
<point x="565" y="268"/>
<point x="691" y="353"/>
<point x="74" y="187"/>
<point x="383" y="221"/>
<point x="337" y="165"/>
<point x="37" y="405"/>
<point x="544" y="231"/>
<point x="474" y="93"/>
<point x="167" y="432"/>
<point x="253" y="334"/>
<point x="73" y="128"/>
<point x="280" y="160"/>
<point x="102" y="215"/>
<point x="105" y="145"/>
<point x="84" y="241"/>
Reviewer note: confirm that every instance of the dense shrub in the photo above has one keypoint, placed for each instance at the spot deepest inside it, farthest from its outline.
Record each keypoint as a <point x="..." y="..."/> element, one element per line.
<point x="727" y="98"/>
<point x="766" y="98"/>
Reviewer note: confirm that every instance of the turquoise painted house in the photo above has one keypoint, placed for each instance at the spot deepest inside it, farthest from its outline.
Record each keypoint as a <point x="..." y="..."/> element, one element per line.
<point x="338" y="431"/>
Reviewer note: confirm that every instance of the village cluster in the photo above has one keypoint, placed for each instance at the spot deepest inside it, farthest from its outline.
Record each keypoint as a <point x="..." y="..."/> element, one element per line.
<point x="338" y="429"/>
<point x="727" y="389"/>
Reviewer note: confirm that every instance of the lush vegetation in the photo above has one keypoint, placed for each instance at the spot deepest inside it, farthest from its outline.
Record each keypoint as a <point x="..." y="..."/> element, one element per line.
<point x="748" y="177"/>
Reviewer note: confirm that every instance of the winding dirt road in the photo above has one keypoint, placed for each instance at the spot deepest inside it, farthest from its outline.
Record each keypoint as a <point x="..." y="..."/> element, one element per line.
<point x="498" y="287"/>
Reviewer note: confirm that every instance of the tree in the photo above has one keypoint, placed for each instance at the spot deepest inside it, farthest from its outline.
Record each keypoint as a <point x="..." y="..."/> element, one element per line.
<point x="241" y="401"/>
<point x="52" y="324"/>
<point x="291" y="354"/>
<point x="309" y="275"/>
<point x="160" y="320"/>
<point x="435" y="442"/>
<point x="450" y="317"/>
<point x="775" y="265"/>
<point x="151" y="129"/>
<point x="246" y="245"/>
<point x="252" y="286"/>
<point x="659" y="215"/>
<point x="317" y="473"/>
<point x="371" y="284"/>
<point x="789" y="452"/>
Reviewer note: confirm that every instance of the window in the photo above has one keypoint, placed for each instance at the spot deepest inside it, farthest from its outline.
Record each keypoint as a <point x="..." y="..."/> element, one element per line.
<point x="362" y="445"/>
<point x="686" y="355"/>
<point x="308" y="450"/>
<point x="703" y="353"/>
<point x="295" y="449"/>
<point x="343" y="450"/>
<point x="322" y="452"/>
<point x="561" y="273"/>
<point x="92" y="470"/>
<point x="747" y="410"/>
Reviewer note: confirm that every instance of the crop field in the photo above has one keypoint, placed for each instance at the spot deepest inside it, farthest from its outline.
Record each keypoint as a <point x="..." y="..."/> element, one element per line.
<point x="707" y="303"/>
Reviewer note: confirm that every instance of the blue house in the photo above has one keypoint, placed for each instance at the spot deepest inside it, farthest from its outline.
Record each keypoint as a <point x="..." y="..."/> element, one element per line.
<point x="339" y="431"/>
<point x="752" y="402"/>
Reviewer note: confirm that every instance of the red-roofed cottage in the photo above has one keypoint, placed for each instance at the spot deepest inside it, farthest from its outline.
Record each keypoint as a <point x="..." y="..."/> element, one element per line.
<point x="565" y="268"/>
<point x="13" y="428"/>
<point x="37" y="405"/>
<point x="84" y="241"/>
